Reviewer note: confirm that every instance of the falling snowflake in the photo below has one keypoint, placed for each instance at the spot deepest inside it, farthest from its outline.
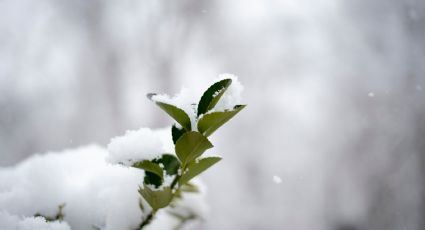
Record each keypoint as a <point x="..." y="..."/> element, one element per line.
<point x="277" y="180"/>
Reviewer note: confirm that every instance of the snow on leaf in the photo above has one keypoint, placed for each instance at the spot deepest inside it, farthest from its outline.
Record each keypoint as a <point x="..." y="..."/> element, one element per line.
<point x="178" y="114"/>
<point x="170" y="162"/>
<point x="212" y="95"/>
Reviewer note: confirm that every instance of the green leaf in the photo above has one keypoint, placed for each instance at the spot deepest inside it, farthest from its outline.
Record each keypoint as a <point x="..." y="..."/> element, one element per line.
<point x="150" y="166"/>
<point x="213" y="94"/>
<point x="170" y="162"/>
<point x="212" y="121"/>
<point x="176" y="133"/>
<point x="156" y="198"/>
<point x="190" y="146"/>
<point x="178" y="114"/>
<point x="197" y="167"/>
<point x="189" y="187"/>
<point x="153" y="179"/>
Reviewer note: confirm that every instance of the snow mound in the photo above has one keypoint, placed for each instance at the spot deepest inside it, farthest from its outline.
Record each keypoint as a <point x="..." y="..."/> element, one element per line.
<point x="96" y="194"/>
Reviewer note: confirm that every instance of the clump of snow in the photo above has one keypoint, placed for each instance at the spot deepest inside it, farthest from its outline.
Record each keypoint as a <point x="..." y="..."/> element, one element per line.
<point x="277" y="179"/>
<point x="371" y="94"/>
<point x="186" y="99"/>
<point x="12" y="222"/>
<point x="142" y="144"/>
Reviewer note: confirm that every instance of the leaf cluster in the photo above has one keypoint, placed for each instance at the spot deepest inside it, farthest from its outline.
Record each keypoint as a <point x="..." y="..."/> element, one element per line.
<point x="190" y="144"/>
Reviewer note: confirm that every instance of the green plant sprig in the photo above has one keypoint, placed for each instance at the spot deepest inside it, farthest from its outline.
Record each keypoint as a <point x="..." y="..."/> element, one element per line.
<point x="57" y="217"/>
<point x="189" y="147"/>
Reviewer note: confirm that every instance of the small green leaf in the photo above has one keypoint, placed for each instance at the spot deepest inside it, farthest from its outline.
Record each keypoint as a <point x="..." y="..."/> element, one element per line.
<point x="190" y="146"/>
<point x="153" y="179"/>
<point x="189" y="187"/>
<point x="178" y="114"/>
<point x="156" y="198"/>
<point x="149" y="166"/>
<point x="176" y="133"/>
<point x="212" y="121"/>
<point x="197" y="167"/>
<point x="170" y="162"/>
<point x="213" y="94"/>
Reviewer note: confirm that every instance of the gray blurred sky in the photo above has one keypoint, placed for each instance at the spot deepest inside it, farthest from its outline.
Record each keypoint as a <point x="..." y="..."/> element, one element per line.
<point x="335" y="90"/>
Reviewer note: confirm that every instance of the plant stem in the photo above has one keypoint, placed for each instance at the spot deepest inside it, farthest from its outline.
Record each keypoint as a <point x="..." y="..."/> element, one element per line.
<point x="173" y="184"/>
<point x="148" y="219"/>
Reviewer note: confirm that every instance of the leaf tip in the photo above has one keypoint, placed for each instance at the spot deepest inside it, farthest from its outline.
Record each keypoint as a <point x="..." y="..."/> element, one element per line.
<point x="239" y="106"/>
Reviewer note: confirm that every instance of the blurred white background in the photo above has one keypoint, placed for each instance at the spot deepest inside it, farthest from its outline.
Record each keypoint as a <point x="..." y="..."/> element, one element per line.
<point x="335" y="93"/>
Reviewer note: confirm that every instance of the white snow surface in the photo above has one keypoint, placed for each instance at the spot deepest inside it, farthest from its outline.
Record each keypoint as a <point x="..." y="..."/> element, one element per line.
<point x="142" y="144"/>
<point x="11" y="222"/>
<point x="95" y="192"/>
<point x="187" y="99"/>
